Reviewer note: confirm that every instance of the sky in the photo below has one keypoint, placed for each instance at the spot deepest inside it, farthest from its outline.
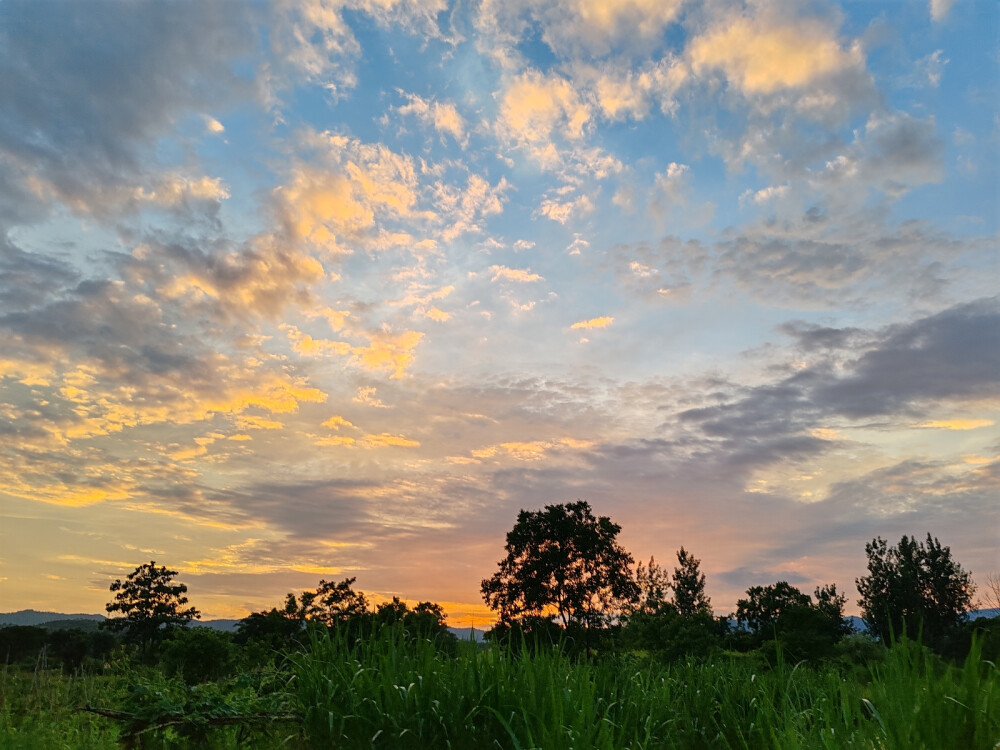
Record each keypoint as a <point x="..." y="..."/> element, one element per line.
<point x="293" y="291"/>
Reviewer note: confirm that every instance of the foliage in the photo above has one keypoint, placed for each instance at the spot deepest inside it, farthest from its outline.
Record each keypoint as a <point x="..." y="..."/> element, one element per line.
<point x="688" y="584"/>
<point x="198" y="655"/>
<point x="150" y="602"/>
<point x="396" y="692"/>
<point x="782" y="616"/>
<point x="269" y="633"/>
<point x="913" y="585"/>
<point x="654" y="588"/>
<point x="71" y="649"/>
<point x="764" y="605"/>
<point x="671" y="636"/>
<point x="564" y="559"/>
<point x="330" y="603"/>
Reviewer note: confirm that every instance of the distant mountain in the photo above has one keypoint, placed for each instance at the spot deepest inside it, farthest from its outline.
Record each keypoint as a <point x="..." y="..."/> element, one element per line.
<point x="463" y="634"/>
<point x="34" y="617"/>
<point x="61" y="621"/>
<point x="857" y="623"/>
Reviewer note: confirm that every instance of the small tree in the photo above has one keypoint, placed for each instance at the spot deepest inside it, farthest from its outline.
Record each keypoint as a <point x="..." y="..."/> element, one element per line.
<point x="688" y="584"/>
<point x="913" y="585"/>
<point x="150" y="603"/>
<point x="991" y="591"/>
<point x="654" y="586"/>
<point x="565" y="560"/>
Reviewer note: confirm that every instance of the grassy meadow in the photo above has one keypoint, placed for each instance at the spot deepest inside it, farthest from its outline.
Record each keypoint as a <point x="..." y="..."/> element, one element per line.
<point x="391" y="690"/>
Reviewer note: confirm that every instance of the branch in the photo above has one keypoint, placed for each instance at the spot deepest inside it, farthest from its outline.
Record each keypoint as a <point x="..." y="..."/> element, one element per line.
<point x="171" y="720"/>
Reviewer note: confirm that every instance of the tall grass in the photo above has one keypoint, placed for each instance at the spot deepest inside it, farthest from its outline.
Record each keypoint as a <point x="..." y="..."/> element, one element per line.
<point x="393" y="691"/>
<point x="37" y="710"/>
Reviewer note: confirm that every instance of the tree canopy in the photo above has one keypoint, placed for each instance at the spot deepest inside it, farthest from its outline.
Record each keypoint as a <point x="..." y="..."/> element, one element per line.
<point x="149" y="602"/>
<point x="562" y="560"/>
<point x="912" y="585"/>
<point x="764" y="605"/>
<point x="688" y="583"/>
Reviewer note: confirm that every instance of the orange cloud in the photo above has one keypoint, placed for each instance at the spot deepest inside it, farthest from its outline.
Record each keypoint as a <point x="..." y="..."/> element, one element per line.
<point x="514" y="274"/>
<point x="587" y="325"/>
<point x="958" y="424"/>
<point x="762" y="56"/>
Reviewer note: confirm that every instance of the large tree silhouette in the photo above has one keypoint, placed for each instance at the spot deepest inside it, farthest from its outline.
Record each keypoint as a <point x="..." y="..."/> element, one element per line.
<point x="150" y="603"/>
<point x="913" y="585"/>
<point x="562" y="560"/>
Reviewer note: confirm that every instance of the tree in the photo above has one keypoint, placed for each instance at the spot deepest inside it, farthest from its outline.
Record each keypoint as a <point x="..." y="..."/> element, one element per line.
<point x="913" y="585"/>
<point x="564" y="560"/>
<point x="781" y="614"/>
<point x="654" y="585"/>
<point x="150" y="603"/>
<point x="764" y="605"/>
<point x="688" y="584"/>
<point x="332" y="602"/>
<point x="991" y="591"/>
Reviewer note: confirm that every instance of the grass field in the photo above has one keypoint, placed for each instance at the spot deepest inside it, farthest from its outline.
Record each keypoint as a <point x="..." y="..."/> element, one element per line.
<point x="389" y="694"/>
<point x="392" y="691"/>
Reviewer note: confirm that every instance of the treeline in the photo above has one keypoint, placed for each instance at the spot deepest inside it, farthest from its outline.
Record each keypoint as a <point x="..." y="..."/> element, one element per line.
<point x="565" y="577"/>
<point x="564" y="581"/>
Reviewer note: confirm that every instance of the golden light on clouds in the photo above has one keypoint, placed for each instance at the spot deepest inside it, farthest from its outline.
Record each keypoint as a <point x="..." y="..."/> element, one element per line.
<point x="369" y="293"/>
<point x="514" y="274"/>
<point x="587" y="325"/>
<point x="957" y="424"/>
<point x="763" y="56"/>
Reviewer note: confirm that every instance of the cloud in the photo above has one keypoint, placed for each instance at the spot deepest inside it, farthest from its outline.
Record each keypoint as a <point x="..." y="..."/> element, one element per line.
<point x="951" y="356"/>
<point x="258" y="279"/>
<point x="514" y="274"/>
<point x="464" y="208"/>
<point x="587" y="325"/>
<point x="332" y="200"/>
<point x="939" y="9"/>
<point x="534" y="107"/>
<point x="213" y="126"/>
<point x="957" y="424"/>
<point x="910" y="369"/>
<point x="623" y="91"/>
<point x="443" y="117"/>
<point x="765" y="54"/>
<point x="314" y="40"/>
<point x="81" y="123"/>
<point x="896" y="153"/>
<point x="384" y="351"/>
<point x="582" y="28"/>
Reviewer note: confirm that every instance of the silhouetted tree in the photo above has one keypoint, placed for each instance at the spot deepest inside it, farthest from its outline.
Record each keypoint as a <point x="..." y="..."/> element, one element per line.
<point x="913" y="585"/>
<point x="565" y="560"/>
<point x="764" y="605"/>
<point x="991" y="591"/>
<point x="688" y="584"/>
<point x="654" y="588"/>
<point x="831" y="603"/>
<point x="333" y="602"/>
<point x="782" y="614"/>
<point x="150" y="603"/>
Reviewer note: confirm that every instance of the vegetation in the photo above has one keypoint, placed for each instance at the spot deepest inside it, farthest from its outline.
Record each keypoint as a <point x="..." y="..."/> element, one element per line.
<point x="914" y="585"/>
<point x="150" y="604"/>
<point x="585" y="661"/>
<point x="565" y="560"/>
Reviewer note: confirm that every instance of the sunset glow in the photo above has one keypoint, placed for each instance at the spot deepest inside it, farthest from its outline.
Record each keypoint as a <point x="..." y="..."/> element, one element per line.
<point x="331" y="288"/>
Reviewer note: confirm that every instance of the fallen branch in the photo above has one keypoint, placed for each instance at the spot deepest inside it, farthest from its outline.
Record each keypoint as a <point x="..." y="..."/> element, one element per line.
<point x="140" y="726"/>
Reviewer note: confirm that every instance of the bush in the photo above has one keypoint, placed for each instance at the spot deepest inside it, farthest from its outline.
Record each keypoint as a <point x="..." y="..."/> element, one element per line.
<point x="198" y="655"/>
